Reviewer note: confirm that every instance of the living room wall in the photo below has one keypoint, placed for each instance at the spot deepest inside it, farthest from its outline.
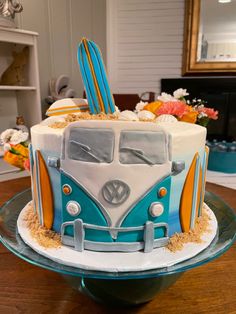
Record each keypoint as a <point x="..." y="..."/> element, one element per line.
<point x="61" y="24"/>
<point x="144" y="43"/>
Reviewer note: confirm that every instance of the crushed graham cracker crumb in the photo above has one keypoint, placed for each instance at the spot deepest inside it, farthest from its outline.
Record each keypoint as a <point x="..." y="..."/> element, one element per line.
<point x="178" y="240"/>
<point x="147" y="120"/>
<point x="87" y="116"/>
<point x="82" y="116"/>
<point x="45" y="237"/>
<point x="58" y="125"/>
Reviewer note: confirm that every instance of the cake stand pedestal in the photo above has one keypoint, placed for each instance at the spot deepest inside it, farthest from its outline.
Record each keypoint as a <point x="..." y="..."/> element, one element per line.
<point x="125" y="292"/>
<point x="122" y="288"/>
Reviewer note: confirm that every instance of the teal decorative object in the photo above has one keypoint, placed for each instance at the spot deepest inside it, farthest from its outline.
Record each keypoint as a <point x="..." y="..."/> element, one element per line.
<point x="222" y="156"/>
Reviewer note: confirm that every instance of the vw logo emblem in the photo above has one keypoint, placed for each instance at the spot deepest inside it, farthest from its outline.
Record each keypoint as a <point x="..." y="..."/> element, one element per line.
<point x="115" y="192"/>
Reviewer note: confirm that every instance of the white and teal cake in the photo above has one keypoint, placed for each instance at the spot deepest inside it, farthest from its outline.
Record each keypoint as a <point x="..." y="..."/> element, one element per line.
<point x="114" y="185"/>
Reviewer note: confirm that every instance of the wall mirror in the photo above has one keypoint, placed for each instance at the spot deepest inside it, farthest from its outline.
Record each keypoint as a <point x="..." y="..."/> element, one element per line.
<point x="210" y="37"/>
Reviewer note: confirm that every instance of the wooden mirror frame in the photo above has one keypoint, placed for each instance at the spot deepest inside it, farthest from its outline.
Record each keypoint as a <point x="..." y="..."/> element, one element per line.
<point x="190" y="64"/>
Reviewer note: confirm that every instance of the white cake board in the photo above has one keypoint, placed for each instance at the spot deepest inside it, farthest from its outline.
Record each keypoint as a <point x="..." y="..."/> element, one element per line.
<point x="118" y="262"/>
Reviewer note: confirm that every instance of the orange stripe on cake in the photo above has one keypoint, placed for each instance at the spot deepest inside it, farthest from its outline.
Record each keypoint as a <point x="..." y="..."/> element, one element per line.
<point x="66" y="107"/>
<point x="59" y="113"/>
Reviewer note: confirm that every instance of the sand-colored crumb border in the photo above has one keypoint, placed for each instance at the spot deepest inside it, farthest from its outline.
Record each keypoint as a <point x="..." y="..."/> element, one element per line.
<point x="87" y="116"/>
<point x="82" y="116"/>
<point x="177" y="241"/>
<point x="45" y="237"/>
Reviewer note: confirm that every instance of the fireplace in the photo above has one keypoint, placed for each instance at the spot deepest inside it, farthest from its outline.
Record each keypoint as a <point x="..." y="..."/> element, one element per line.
<point x="220" y="93"/>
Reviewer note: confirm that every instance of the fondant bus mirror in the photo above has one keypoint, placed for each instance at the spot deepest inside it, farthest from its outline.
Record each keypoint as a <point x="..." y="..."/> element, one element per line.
<point x="53" y="162"/>
<point x="177" y="167"/>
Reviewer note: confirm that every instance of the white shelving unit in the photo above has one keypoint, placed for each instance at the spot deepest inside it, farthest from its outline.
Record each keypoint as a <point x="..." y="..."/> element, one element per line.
<point x="9" y="87"/>
<point x="19" y="100"/>
<point x="27" y="98"/>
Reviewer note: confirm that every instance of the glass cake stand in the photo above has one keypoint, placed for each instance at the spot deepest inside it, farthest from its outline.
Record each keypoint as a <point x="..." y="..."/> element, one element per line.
<point x="123" y="288"/>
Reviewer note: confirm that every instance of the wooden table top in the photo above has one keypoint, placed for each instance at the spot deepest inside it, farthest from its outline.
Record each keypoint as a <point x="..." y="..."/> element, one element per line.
<point x="25" y="288"/>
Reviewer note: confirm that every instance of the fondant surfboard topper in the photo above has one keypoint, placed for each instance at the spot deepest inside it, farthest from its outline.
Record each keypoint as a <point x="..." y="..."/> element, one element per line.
<point x="44" y="192"/>
<point x="94" y="77"/>
<point x="190" y="198"/>
<point x="66" y="106"/>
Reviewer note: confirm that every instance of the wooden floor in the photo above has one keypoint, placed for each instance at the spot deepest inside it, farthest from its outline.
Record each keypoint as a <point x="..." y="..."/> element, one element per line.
<point x="28" y="289"/>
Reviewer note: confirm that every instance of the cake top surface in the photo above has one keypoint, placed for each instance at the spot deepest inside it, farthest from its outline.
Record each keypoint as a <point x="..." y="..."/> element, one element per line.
<point x="57" y="125"/>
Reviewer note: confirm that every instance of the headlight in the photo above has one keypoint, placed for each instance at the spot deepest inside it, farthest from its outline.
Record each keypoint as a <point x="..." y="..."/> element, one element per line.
<point x="73" y="208"/>
<point x="156" y="209"/>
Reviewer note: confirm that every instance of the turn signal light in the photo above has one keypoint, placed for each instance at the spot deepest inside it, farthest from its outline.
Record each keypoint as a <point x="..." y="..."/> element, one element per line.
<point x="66" y="189"/>
<point x="162" y="192"/>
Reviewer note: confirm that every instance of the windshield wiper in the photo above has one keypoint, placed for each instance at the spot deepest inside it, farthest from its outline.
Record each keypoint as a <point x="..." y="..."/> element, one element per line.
<point x="139" y="153"/>
<point x="86" y="149"/>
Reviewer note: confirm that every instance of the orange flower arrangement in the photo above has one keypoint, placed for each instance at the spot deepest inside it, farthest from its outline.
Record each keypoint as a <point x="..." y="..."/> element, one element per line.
<point x="153" y="106"/>
<point x="175" y="108"/>
<point x="183" y="110"/>
<point x="16" y="148"/>
<point x="190" y="116"/>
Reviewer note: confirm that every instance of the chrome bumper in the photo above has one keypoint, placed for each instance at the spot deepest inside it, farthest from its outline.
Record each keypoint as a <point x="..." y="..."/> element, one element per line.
<point x="79" y="243"/>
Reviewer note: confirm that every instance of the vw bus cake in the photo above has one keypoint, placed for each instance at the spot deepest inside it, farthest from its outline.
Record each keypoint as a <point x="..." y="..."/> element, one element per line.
<point x="111" y="181"/>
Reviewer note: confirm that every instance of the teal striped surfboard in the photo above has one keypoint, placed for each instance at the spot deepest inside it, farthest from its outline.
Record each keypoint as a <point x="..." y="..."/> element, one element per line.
<point x="94" y="77"/>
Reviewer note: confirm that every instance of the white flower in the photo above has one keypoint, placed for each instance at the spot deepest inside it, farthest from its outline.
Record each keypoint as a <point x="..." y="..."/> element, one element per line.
<point x="6" y="147"/>
<point x="18" y="136"/>
<point x="6" y="135"/>
<point x="202" y="115"/>
<point x="140" y="106"/>
<point x="117" y="109"/>
<point x="116" y="112"/>
<point x="179" y="93"/>
<point x="166" y="97"/>
<point x="197" y="107"/>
